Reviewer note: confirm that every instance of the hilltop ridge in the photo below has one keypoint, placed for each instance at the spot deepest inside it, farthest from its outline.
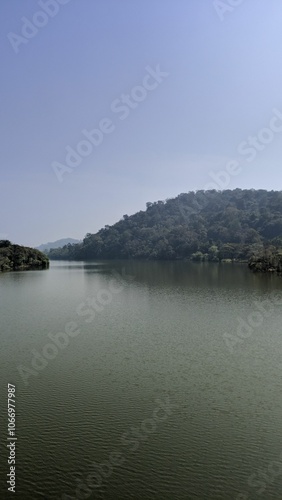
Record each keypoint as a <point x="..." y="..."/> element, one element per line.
<point x="202" y="225"/>
<point x="56" y="244"/>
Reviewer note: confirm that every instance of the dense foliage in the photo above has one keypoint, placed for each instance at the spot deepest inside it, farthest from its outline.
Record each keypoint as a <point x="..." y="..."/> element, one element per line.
<point x="16" y="257"/>
<point x="45" y="247"/>
<point x="202" y="225"/>
<point x="269" y="261"/>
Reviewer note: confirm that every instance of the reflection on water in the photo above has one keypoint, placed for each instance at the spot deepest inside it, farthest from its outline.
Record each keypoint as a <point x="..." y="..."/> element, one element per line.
<point x="148" y="332"/>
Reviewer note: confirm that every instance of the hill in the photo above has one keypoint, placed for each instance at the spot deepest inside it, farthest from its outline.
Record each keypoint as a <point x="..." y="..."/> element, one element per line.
<point x="16" y="257"/>
<point x="45" y="247"/>
<point x="202" y="225"/>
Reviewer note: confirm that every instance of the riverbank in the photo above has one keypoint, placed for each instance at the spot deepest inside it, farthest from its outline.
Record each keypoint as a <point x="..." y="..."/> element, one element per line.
<point x="267" y="263"/>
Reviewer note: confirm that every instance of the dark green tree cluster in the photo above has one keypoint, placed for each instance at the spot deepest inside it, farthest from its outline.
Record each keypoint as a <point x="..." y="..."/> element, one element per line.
<point x="16" y="257"/>
<point x="202" y="225"/>
<point x="270" y="260"/>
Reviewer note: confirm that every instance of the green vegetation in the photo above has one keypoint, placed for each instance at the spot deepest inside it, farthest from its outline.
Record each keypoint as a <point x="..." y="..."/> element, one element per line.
<point x="16" y="257"/>
<point x="215" y="226"/>
<point x="45" y="247"/>
<point x="269" y="261"/>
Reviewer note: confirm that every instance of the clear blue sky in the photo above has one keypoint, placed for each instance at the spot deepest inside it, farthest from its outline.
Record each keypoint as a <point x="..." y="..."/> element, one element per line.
<point x="225" y="78"/>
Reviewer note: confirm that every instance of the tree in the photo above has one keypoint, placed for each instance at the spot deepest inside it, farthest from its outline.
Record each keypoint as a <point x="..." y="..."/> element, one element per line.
<point x="210" y="225"/>
<point x="5" y="243"/>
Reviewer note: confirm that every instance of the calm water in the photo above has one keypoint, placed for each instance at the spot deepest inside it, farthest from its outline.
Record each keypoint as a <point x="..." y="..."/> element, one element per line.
<point x="159" y="337"/>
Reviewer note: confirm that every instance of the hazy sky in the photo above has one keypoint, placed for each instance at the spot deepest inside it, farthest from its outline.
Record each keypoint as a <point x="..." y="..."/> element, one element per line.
<point x="218" y="83"/>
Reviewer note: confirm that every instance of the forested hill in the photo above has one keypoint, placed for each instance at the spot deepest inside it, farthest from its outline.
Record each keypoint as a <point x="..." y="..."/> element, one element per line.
<point x="202" y="225"/>
<point x="17" y="257"/>
<point x="56" y="244"/>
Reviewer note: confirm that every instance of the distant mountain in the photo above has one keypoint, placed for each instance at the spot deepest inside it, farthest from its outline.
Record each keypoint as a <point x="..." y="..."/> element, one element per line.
<point x="19" y="258"/>
<point x="201" y="226"/>
<point x="57" y="244"/>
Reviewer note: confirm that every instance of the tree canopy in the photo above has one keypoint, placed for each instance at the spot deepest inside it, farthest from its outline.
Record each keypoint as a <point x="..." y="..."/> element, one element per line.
<point x="202" y="225"/>
<point x="17" y="257"/>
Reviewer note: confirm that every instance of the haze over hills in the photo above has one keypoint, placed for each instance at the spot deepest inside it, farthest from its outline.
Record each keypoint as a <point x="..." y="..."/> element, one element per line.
<point x="202" y="225"/>
<point x="57" y="244"/>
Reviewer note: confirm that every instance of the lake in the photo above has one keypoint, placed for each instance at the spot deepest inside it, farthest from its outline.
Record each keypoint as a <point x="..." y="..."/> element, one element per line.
<point x="143" y="380"/>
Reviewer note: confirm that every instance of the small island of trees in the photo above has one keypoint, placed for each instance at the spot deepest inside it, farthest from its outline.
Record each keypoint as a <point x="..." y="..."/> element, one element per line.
<point x="18" y="258"/>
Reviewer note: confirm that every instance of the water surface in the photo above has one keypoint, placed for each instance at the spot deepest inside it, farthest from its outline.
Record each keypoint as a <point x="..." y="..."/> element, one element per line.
<point x="161" y="334"/>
